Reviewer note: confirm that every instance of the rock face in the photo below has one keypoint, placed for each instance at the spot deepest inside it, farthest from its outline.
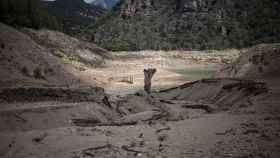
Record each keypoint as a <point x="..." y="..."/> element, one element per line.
<point x="106" y="4"/>
<point x="188" y="24"/>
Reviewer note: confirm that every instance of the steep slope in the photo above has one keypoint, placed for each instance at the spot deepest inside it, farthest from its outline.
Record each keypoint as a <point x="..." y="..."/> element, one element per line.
<point x="261" y="61"/>
<point x="76" y="14"/>
<point x="45" y="59"/>
<point x="23" y="60"/>
<point x="27" y="13"/>
<point x="188" y="24"/>
<point x="64" y="46"/>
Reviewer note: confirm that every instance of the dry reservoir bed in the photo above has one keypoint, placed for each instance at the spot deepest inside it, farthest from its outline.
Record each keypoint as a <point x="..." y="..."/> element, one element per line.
<point x="242" y="121"/>
<point x="209" y="118"/>
<point x="124" y="74"/>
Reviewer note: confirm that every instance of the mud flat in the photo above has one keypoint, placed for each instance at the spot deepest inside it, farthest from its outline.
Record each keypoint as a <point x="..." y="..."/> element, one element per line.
<point x="215" y="117"/>
<point x="124" y="74"/>
<point x="206" y="118"/>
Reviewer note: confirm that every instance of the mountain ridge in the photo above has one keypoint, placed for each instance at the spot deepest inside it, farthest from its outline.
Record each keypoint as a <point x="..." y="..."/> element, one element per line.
<point x="76" y="14"/>
<point x="194" y="24"/>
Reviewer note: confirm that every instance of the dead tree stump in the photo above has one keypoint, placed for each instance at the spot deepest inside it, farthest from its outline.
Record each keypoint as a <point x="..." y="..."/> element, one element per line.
<point x="148" y="75"/>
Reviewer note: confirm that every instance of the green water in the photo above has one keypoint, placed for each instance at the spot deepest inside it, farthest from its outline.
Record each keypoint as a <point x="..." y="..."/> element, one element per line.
<point x="196" y="74"/>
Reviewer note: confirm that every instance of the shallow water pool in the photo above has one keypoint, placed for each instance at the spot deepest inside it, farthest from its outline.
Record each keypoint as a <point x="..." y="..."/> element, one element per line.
<point x="196" y="74"/>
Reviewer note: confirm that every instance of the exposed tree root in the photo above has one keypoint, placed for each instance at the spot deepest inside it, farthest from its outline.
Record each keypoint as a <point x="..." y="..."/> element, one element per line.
<point x="92" y="122"/>
<point x="124" y="147"/>
<point x="40" y="138"/>
<point x="249" y="87"/>
<point x="85" y="122"/>
<point x="206" y="107"/>
<point x="163" y="129"/>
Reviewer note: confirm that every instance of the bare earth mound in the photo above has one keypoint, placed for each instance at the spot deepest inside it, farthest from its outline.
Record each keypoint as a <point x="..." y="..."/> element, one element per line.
<point x="44" y="58"/>
<point x="261" y="61"/>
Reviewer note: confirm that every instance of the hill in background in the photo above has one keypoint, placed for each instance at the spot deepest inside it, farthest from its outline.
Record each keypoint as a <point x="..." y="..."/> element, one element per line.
<point x="181" y="24"/>
<point x="75" y="14"/>
<point x="27" y="13"/>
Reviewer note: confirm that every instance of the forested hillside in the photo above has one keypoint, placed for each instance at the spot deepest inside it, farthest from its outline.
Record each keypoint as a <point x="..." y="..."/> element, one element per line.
<point x="75" y="14"/>
<point x="27" y="13"/>
<point x="188" y="24"/>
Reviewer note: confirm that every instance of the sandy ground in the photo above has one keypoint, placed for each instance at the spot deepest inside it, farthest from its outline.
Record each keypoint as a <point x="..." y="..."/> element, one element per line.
<point x="115" y="75"/>
<point x="237" y="125"/>
<point x="209" y="135"/>
<point x="199" y="137"/>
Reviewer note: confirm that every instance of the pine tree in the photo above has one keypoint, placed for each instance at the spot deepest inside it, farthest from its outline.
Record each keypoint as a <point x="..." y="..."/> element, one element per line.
<point x="27" y="13"/>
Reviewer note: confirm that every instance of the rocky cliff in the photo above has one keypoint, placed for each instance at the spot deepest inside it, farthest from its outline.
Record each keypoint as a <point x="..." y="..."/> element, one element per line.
<point x="188" y="24"/>
<point x="106" y="4"/>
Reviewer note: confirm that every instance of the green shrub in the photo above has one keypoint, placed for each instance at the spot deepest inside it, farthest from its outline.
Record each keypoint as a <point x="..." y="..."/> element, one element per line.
<point x="25" y="71"/>
<point x="2" y="45"/>
<point x="38" y="73"/>
<point x="49" y="70"/>
<point x="27" y="13"/>
<point x="120" y="46"/>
